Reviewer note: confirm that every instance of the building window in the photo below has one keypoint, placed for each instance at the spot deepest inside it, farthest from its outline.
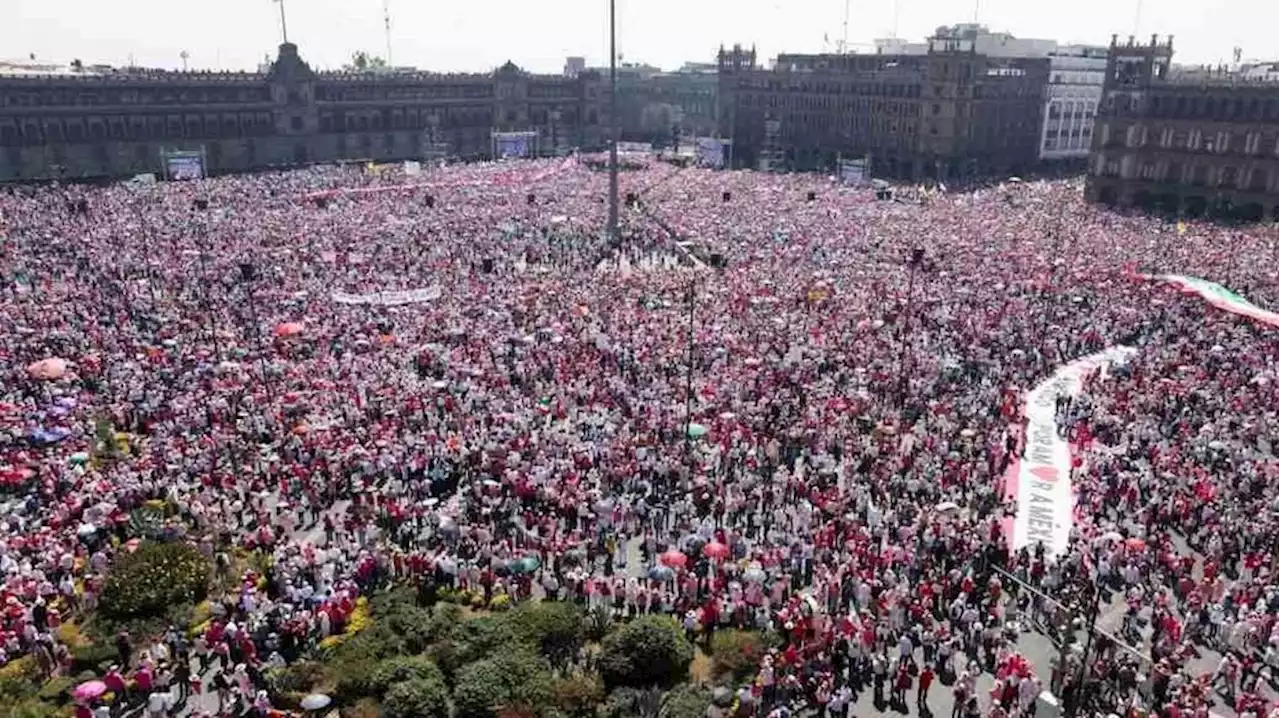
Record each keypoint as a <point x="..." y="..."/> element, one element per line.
<point x="1174" y="173"/>
<point x="1228" y="177"/>
<point x="1258" y="179"/>
<point x="1148" y="171"/>
<point x="1166" y="137"/>
<point x="1222" y="142"/>
<point x="1193" y="140"/>
<point x="1051" y="143"/>
<point x="1251" y="142"/>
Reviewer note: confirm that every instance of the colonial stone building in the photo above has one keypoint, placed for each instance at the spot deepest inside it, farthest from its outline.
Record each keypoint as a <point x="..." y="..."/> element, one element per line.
<point x="658" y="107"/>
<point x="113" y="124"/>
<point x="1182" y="140"/>
<point x="949" y="113"/>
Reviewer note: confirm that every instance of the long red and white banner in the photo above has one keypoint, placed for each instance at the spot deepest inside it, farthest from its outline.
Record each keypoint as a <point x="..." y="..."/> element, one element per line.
<point x="1040" y="483"/>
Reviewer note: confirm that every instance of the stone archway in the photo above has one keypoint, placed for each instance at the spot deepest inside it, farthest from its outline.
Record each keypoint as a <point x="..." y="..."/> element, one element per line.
<point x="1107" y="196"/>
<point x="1142" y="199"/>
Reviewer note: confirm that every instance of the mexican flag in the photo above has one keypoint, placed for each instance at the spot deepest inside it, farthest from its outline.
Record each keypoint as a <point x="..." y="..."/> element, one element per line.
<point x="1219" y="296"/>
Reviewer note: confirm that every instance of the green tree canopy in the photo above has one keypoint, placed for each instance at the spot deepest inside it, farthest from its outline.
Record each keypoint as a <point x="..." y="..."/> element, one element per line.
<point x="651" y="650"/>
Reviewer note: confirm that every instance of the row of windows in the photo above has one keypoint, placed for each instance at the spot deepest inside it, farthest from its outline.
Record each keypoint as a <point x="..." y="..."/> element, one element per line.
<point x="1257" y="179"/>
<point x="447" y="119"/>
<point x="872" y="89"/>
<point x="34" y="132"/>
<point x="1075" y="141"/>
<point x="1217" y="108"/>
<point x="1220" y="141"/>
<point x="69" y="97"/>
<point x="1072" y="109"/>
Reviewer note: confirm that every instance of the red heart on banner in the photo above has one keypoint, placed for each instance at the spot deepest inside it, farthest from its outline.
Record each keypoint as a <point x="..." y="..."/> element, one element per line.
<point x="1045" y="473"/>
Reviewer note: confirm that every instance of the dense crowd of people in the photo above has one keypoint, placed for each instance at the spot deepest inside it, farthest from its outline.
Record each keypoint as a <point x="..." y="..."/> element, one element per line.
<point x="773" y="402"/>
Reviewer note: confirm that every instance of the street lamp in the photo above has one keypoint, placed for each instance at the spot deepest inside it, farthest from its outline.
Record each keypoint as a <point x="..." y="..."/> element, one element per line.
<point x="1091" y="594"/>
<point x="691" y="296"/>
<point x="917" y="258"/>
<point x="248" y="273"/>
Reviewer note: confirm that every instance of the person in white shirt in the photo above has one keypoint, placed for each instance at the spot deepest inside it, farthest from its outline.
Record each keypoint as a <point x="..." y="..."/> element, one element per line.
<point x="905" y="649"/>
<point x="158" y="704"/>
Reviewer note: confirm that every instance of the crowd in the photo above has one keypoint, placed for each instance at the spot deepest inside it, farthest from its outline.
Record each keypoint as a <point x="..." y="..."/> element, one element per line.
<point x="797" y="414"/>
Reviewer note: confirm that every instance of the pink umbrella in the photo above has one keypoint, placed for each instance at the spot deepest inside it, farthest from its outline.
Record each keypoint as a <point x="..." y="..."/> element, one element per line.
<point x="673" y="558"/>
<point x="715" y="550"/>
<point x="48" y="369"/>
<point x="288" y="329"/>
<point x="88" y="691"/>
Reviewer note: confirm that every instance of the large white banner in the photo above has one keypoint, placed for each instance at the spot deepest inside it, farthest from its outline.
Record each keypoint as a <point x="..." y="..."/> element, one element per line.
<point x="389" y="299"/>
<point x="1046" y="501"/>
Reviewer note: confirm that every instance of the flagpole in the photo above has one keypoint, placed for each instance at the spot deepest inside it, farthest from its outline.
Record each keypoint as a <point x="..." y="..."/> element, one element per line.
<point x="284" y="27"/>
<point x="613" y="127"/>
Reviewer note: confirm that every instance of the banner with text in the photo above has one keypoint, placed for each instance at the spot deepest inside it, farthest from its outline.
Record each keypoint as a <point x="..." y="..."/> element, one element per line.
<point x="1041" y="481"/>
<point x="389" y="299"/>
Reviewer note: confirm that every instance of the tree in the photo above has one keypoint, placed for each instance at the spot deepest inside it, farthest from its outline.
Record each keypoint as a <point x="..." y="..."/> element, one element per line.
<point x="417" y="698"/>
<point x="155" y="577"/>
<point x="512" y="681"/>
<point x="736" y="654"/>
<point x="579" y="695"/>
<point x="391" y="671"/>
<point x="362" y="61"/>
<point x="649" y="651"/>
<point x="555" y="629"/>
<point x="484" y="637"/>
<point x="686" y="701"/>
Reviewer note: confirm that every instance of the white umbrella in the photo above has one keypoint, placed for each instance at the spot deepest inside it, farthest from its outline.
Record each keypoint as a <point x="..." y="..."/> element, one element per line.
<point x="315" y="702"/>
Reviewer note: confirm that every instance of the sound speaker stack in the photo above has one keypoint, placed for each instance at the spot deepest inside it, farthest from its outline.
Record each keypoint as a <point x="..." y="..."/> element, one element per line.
<point x="200" y="203"/>
<point x="812" y="196"/>
<point x="321" y="202"/>
<point x="530" y="198"/>
<point x="717" y="260"/>
<point x="727" y="196"/>
<point x="486" y="265"/>
<point x="430" y="201"/>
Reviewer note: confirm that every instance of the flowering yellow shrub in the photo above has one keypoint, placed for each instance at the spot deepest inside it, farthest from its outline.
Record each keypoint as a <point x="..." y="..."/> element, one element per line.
<point x="329" y="643"/>
<point x="18" y="668"/>
<point x="360" y="618"/>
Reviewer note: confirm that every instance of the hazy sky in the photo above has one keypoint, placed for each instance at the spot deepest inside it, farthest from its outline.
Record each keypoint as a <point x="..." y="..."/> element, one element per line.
<point x="482" y="34"/>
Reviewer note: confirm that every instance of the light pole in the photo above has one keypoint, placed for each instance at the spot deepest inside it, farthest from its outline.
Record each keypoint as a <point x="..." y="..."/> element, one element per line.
<point x="613" y="125"/>
<point x="1093" y="595"/>
<point x="917" y="256"/>
<point x="692" y="296"/>
<point x="248" y="273"/>
<point x="203" y="254"/>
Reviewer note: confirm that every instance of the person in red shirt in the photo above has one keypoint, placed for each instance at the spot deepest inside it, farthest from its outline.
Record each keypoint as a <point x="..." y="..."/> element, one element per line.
<point x="922" y="691"/>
